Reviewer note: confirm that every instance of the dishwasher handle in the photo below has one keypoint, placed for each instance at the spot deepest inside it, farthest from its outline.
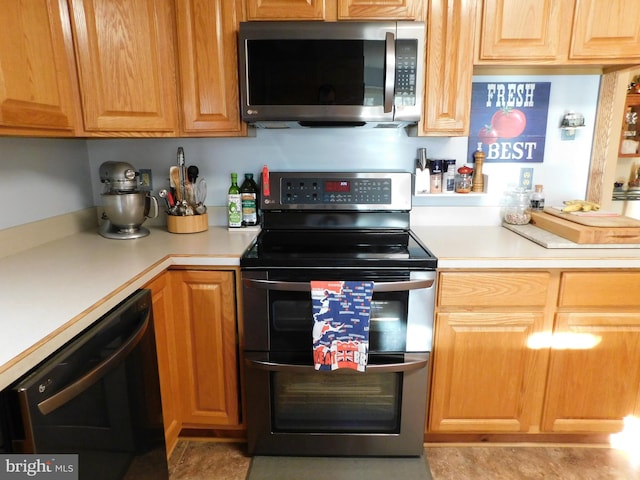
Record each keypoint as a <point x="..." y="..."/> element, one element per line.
<point x="74" y="389"/>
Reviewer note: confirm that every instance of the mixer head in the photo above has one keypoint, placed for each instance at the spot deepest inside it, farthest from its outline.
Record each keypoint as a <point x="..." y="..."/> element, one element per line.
<point x="119" y="177"/>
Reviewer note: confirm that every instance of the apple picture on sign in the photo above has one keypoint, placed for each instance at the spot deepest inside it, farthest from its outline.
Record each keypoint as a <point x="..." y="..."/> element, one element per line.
<point x="509" y="121"/>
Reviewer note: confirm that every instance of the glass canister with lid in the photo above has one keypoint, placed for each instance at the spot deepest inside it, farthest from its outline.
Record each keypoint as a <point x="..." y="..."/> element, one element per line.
<point x="518" y="208"/>
<point x="464" y="179"/>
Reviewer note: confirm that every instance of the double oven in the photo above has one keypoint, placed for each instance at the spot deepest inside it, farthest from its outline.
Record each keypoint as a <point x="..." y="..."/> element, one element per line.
<point x="336" y="226"/>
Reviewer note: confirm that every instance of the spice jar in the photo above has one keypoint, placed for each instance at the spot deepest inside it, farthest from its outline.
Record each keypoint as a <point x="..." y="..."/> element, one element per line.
<point x="464" y="179"/>
<point x="518" y="209"/>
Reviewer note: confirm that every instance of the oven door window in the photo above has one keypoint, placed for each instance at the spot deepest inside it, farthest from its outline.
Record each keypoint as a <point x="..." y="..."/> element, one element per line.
<point x="335" y="402"/>
<point x="291" y="321"/>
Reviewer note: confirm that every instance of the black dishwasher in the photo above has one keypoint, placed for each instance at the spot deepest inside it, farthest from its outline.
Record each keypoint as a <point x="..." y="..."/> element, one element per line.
<point x="97" y="397"/>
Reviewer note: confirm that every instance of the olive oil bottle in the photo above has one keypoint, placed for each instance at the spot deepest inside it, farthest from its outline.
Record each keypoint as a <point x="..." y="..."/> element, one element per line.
<point x="234" y="203"/>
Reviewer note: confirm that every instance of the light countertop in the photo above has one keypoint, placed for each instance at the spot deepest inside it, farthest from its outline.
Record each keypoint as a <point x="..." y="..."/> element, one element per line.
<point x="52" y="292"/>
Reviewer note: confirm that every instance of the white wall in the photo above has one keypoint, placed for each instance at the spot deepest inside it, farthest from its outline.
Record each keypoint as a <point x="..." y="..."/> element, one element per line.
<point x="41" y="178"/>
<point x="563" y="173"/>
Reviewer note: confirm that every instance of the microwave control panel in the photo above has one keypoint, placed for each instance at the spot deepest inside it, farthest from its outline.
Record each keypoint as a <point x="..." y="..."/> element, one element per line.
<point x="345" y="191"/>
<point x="406" y="72"/>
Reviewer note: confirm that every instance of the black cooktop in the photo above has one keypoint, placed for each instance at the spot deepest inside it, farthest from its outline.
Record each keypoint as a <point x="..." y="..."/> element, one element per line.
<point x="283" y="248"/>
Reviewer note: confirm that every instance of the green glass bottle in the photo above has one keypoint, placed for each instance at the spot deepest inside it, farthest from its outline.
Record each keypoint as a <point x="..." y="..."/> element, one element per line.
<point x="249" y="194"/>
<point x="234" y="203"/>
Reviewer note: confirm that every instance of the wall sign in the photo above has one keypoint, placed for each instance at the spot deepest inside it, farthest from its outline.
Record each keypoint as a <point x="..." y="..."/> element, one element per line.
<point x="509" y="121"/>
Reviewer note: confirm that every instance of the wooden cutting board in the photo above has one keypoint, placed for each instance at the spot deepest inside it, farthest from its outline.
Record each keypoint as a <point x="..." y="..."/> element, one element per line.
<point x="595" y="219"/>
<point x="587" y="234"/>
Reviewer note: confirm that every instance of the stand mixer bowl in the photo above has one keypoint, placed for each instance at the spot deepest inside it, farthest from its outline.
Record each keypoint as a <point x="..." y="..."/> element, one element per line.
<point x="126" y="212"/>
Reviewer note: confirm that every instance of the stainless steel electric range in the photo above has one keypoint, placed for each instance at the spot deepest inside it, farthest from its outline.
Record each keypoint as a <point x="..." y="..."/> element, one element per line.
<point x="336" y="226"/>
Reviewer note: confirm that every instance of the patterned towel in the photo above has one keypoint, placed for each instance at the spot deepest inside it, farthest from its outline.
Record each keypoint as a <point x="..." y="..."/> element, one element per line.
<point x="341" y="311"/>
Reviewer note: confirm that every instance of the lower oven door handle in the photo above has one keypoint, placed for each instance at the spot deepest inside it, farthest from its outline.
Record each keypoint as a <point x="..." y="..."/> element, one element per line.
<point x="400" y="286"/>
<point x="288" y="367"/>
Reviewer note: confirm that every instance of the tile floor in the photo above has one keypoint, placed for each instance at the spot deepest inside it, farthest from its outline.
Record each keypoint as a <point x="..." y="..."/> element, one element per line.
<point x="203" y="460"/>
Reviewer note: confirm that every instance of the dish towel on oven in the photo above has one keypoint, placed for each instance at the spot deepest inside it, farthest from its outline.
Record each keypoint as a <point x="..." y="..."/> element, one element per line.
<point x="341" y="311"/>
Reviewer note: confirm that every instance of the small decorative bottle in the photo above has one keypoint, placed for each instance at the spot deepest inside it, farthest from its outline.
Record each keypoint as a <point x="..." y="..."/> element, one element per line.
<point x="234" y="203"/>
<point x="537" y="198"/>
<point x="478" y="179"/>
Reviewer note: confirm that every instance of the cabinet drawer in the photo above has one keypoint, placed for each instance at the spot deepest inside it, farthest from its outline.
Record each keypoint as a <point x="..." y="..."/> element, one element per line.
<point x="474" y="289"/>
<point x="600" y="289"/>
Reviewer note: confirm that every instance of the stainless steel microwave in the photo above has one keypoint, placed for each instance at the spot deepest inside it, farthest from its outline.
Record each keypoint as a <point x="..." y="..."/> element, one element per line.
<point x="331" y="73"/>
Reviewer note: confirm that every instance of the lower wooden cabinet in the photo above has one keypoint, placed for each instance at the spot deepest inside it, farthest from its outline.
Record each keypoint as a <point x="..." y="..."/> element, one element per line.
<point x="206" y="340"/>
<point x="594" y="381"/>
<point x="485" y="378"/>
<point x="543" y="351"/>
<point x="166" y="350"/>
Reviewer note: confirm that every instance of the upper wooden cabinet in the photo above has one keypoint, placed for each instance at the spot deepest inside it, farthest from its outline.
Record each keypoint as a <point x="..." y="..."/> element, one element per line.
<point x="38" y="90"/>
<point x="285" y="10"/>
<point x="606" y="30"/>
<point x="208" y="74"/>
<point x="449" y="70"/>
<point x="380" y="9"/>
<point x="126" y="65"/>
<point x="538" y="32"/>
<point x="329" y="10"/>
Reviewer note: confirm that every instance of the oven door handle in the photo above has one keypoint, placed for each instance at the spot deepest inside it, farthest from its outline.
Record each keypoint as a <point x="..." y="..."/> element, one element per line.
<point x="400" y="286"/>
<point x="293" y="368"/>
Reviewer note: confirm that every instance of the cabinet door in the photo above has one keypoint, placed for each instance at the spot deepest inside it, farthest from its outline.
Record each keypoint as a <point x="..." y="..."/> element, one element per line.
<point x="606" y="30"/>
<point x="449" y="68"/>
<point x="208" y="59"/>
<point x="485" y="378"/>
<point x="126" y="65"/>
<point x="285" y="9"/>
<point x="166" y="347"/>
<point x="592" y="389"/>
<point x="379" y="9"/>
<point x="206" y="336"/>
<point x="38" y="91"/>
<point x="528" y="30"/>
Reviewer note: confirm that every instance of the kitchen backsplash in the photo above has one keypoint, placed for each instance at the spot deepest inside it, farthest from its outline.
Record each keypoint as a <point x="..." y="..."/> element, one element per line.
<point x="47" y="177"/>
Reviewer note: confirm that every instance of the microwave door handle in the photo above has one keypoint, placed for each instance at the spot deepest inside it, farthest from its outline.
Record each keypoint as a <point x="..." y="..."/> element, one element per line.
<point x="403" y="367"/>
<point x="88" y="379"/>
<point x="306" y="286"/>
<point x="390" y="72"/>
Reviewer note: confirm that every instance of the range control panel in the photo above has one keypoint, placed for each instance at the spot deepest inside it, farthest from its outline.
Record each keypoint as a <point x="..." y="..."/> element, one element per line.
<point x="345" y="191"/>
<point x="348" y="191"/>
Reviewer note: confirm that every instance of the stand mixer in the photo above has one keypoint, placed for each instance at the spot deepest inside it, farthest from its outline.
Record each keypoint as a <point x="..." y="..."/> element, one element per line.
<point x="125" y="206"/>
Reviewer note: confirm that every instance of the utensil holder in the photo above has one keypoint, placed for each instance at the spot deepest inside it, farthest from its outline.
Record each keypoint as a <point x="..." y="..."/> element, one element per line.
<point x="187" y="223"/>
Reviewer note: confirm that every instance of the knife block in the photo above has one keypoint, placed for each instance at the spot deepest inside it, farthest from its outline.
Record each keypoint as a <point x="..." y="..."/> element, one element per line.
<point x="187" y="223"/>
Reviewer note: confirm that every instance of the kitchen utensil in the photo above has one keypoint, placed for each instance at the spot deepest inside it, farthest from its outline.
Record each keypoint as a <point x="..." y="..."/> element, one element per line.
<point x="599" y="220"/>
<point x="422" y="158"/>
<point x="174" y="179"/>
<point x="586" y="234"/>
<point x="192" y="173"/>
<point x="201" y="191"/>
<point x="182" y="177"/>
